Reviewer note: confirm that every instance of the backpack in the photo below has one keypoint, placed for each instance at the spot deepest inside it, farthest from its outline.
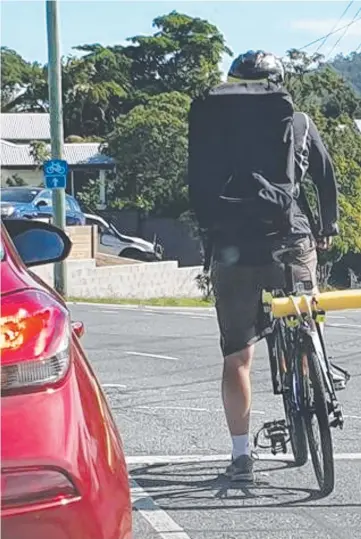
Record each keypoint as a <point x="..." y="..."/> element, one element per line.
<point x="241" y="164"/>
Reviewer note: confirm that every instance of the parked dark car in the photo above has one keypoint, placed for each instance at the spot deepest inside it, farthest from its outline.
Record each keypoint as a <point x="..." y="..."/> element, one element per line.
<point x="36" y="202"/>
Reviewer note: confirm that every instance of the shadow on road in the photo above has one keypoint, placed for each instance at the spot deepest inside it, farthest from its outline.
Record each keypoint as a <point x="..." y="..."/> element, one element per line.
<point x="198" y="486"/>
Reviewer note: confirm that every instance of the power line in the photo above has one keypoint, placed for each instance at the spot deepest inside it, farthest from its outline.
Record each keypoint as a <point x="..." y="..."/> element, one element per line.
<point x="358" y="48"/>
<point x="334" y="26"/>
<point x="354" y="21"/>
<point x="343" y="34"/>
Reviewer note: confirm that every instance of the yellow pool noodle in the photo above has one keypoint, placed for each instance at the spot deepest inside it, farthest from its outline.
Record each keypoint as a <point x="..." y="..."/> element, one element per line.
<point x="338" y="300"/>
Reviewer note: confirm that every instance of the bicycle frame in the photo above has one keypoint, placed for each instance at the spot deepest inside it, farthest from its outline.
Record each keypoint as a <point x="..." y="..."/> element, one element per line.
<point x="300" y="335"/>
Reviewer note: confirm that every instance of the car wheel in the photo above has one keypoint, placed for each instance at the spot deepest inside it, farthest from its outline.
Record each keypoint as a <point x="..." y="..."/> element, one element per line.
<point x="134" y="254"/>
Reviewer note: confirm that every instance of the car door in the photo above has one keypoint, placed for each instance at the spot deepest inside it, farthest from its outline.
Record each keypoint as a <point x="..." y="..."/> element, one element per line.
<point x="108" y="243"/>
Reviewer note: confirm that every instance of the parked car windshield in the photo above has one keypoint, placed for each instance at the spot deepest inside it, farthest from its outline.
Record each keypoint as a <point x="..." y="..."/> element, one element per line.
<point x="18" y="195"/>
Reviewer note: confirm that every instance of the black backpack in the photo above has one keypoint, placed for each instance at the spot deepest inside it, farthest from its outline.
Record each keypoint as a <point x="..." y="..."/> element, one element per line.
<point x="241" y="165"/>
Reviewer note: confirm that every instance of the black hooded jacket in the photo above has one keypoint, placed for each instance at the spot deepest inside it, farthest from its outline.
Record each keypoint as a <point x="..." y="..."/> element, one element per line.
<point x="313" y="160"/>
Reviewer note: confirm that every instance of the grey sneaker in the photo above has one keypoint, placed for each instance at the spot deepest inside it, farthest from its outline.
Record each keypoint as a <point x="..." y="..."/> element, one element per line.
<point x="241" y="469"/>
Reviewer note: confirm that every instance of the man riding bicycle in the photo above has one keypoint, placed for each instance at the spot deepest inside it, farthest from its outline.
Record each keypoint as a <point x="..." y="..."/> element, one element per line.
<point x="241" y="259"/>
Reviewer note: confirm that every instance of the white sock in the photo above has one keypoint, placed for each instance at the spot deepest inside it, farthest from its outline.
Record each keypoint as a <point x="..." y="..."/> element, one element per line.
<point x="240" y="445"/>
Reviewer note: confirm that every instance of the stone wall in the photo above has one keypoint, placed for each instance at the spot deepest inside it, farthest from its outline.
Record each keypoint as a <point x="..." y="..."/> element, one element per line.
<point x="141" y="281"/>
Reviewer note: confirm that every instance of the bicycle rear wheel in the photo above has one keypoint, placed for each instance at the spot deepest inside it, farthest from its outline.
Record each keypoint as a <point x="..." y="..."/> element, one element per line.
<point x="316" y="415"/>
<point x="294" y="419"/>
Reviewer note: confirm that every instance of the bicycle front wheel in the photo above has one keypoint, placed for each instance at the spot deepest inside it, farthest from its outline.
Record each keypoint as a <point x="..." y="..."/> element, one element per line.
<point x="316" y="419"/>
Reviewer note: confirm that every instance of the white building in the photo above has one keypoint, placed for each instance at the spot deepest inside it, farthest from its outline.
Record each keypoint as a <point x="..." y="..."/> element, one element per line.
<point x="19" y="129"/>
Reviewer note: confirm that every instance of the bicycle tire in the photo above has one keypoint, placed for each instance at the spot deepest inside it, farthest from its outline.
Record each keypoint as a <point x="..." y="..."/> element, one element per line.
<point x="325" y="471"/>
<point x="294" y="418"/>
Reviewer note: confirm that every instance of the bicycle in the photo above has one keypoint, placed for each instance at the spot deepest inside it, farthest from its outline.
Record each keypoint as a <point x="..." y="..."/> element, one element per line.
<point x="300" y="371"/>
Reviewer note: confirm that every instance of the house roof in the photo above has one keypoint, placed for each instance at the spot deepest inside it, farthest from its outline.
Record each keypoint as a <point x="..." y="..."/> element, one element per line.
<point x="358" y="124"/>
<point x="25" y="126"/>
<point x="87" y="153"/>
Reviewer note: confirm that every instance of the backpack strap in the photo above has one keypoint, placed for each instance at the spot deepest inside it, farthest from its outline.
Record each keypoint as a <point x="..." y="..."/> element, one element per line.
<point x="301" y="160"/>
<point x="301" y="152"/>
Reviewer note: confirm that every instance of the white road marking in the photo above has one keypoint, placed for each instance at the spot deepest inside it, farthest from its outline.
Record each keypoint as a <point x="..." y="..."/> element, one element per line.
<point x="120" y="386"/>
<point x="175" y="309"/>
<point x="189" y="409"/>
<point x="336" y="317"/>
<point x="356" y="326"/>
<point x="352" y="416"/>
<point x="184" y="459"/>
<point x="156" y="356"/>
<point x="160" y="521"/>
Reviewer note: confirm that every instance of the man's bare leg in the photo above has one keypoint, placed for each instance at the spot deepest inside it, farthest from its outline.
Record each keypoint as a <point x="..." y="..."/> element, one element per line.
<point x="237" y="395"/>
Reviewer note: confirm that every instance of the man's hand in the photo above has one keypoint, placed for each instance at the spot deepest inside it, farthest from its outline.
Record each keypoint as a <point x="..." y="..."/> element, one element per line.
<point x="324" y="244"/>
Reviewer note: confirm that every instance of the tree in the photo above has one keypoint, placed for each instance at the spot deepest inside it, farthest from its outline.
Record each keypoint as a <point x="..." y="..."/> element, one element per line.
<point x="23" y="84"/>
<point x="321" y="92"/>
<point x="40" y="152"/>
<point x="150" y="148"/>
<point x="15" y="181"/>
<point x="182" y="56"/>
<point x="95" y="87"/>
<point x="349" y="67"/>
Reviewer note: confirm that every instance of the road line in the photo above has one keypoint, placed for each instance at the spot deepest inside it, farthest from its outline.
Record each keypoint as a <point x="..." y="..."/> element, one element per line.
<point x="120" y="386"/>
<point x="184" y="459"/>
<point x="159" y="520"/>
<point x="189" y="409"/>
<point x="352" y="416"/>
<point x="156" y="356"/>
<point x="356" y="326"/>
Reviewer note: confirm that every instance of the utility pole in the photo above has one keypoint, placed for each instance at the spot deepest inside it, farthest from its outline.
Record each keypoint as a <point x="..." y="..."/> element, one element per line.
<point x="56" y="128"/>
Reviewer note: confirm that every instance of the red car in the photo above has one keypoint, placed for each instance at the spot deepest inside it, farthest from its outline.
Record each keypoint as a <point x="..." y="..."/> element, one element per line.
<point x="63" y="472"/>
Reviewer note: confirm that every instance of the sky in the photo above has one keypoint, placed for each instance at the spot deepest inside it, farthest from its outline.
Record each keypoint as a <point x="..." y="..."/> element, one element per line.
<point x="272" y="25"/>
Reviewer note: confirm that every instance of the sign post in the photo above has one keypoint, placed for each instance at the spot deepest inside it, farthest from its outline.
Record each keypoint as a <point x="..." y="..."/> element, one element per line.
<point x="55" y="170"/>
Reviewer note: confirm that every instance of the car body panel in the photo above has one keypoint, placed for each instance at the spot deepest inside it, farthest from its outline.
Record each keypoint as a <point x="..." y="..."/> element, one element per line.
<point x="111" y="241"/>
<point x="67" y="427"/>
<point x="28" y="206"/>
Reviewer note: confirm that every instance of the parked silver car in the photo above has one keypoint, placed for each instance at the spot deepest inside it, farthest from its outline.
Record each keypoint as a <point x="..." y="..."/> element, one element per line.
<point x="112" y="242"/>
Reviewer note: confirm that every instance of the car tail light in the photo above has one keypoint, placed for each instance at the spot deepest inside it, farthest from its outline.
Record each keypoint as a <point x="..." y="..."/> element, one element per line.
<point x="34" y="341"/>
<point x="25" y="487"/>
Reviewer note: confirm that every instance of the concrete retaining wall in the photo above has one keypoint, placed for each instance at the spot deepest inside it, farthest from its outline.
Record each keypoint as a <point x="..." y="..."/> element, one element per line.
<point x="143" y="281"/>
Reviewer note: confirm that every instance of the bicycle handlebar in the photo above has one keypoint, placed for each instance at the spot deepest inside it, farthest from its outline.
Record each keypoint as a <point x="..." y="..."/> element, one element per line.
<point x="338" y="300"/>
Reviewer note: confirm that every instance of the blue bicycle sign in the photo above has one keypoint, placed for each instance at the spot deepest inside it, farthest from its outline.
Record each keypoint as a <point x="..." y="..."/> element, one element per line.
<point x="55" y="173"/>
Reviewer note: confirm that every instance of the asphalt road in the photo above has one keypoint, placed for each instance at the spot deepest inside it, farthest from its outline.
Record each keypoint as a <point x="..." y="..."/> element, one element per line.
<point x="160" y="369"/>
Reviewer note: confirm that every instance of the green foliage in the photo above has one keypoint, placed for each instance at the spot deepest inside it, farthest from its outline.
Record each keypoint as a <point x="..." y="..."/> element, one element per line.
<point x="182" y="56"/>
<point x="333" y="105"/>
<point x="39" y="152"/>
<point x="150" y="148"/>
<point x="90" y="194"/>
<point x="350" y="68"/>
<point x="23" y="84"/>
<point x="15" y="181"/>
<point x="204" y="284"/>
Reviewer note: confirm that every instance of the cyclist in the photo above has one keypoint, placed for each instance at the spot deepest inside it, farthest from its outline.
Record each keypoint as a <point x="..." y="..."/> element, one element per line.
<point x="239" y="270"/>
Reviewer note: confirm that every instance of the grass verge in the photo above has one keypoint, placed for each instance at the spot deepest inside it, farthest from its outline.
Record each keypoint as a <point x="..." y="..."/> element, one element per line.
<point x="154" y="302"/>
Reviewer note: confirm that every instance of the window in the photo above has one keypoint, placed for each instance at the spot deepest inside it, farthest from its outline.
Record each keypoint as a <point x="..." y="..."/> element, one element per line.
<point x="47" y="195"/>
<point x="18" y="194"/>
<point x="75" y="204"/>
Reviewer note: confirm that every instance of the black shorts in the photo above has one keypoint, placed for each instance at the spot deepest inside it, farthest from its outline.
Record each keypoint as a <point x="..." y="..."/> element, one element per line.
<point x="238" y="289"/>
